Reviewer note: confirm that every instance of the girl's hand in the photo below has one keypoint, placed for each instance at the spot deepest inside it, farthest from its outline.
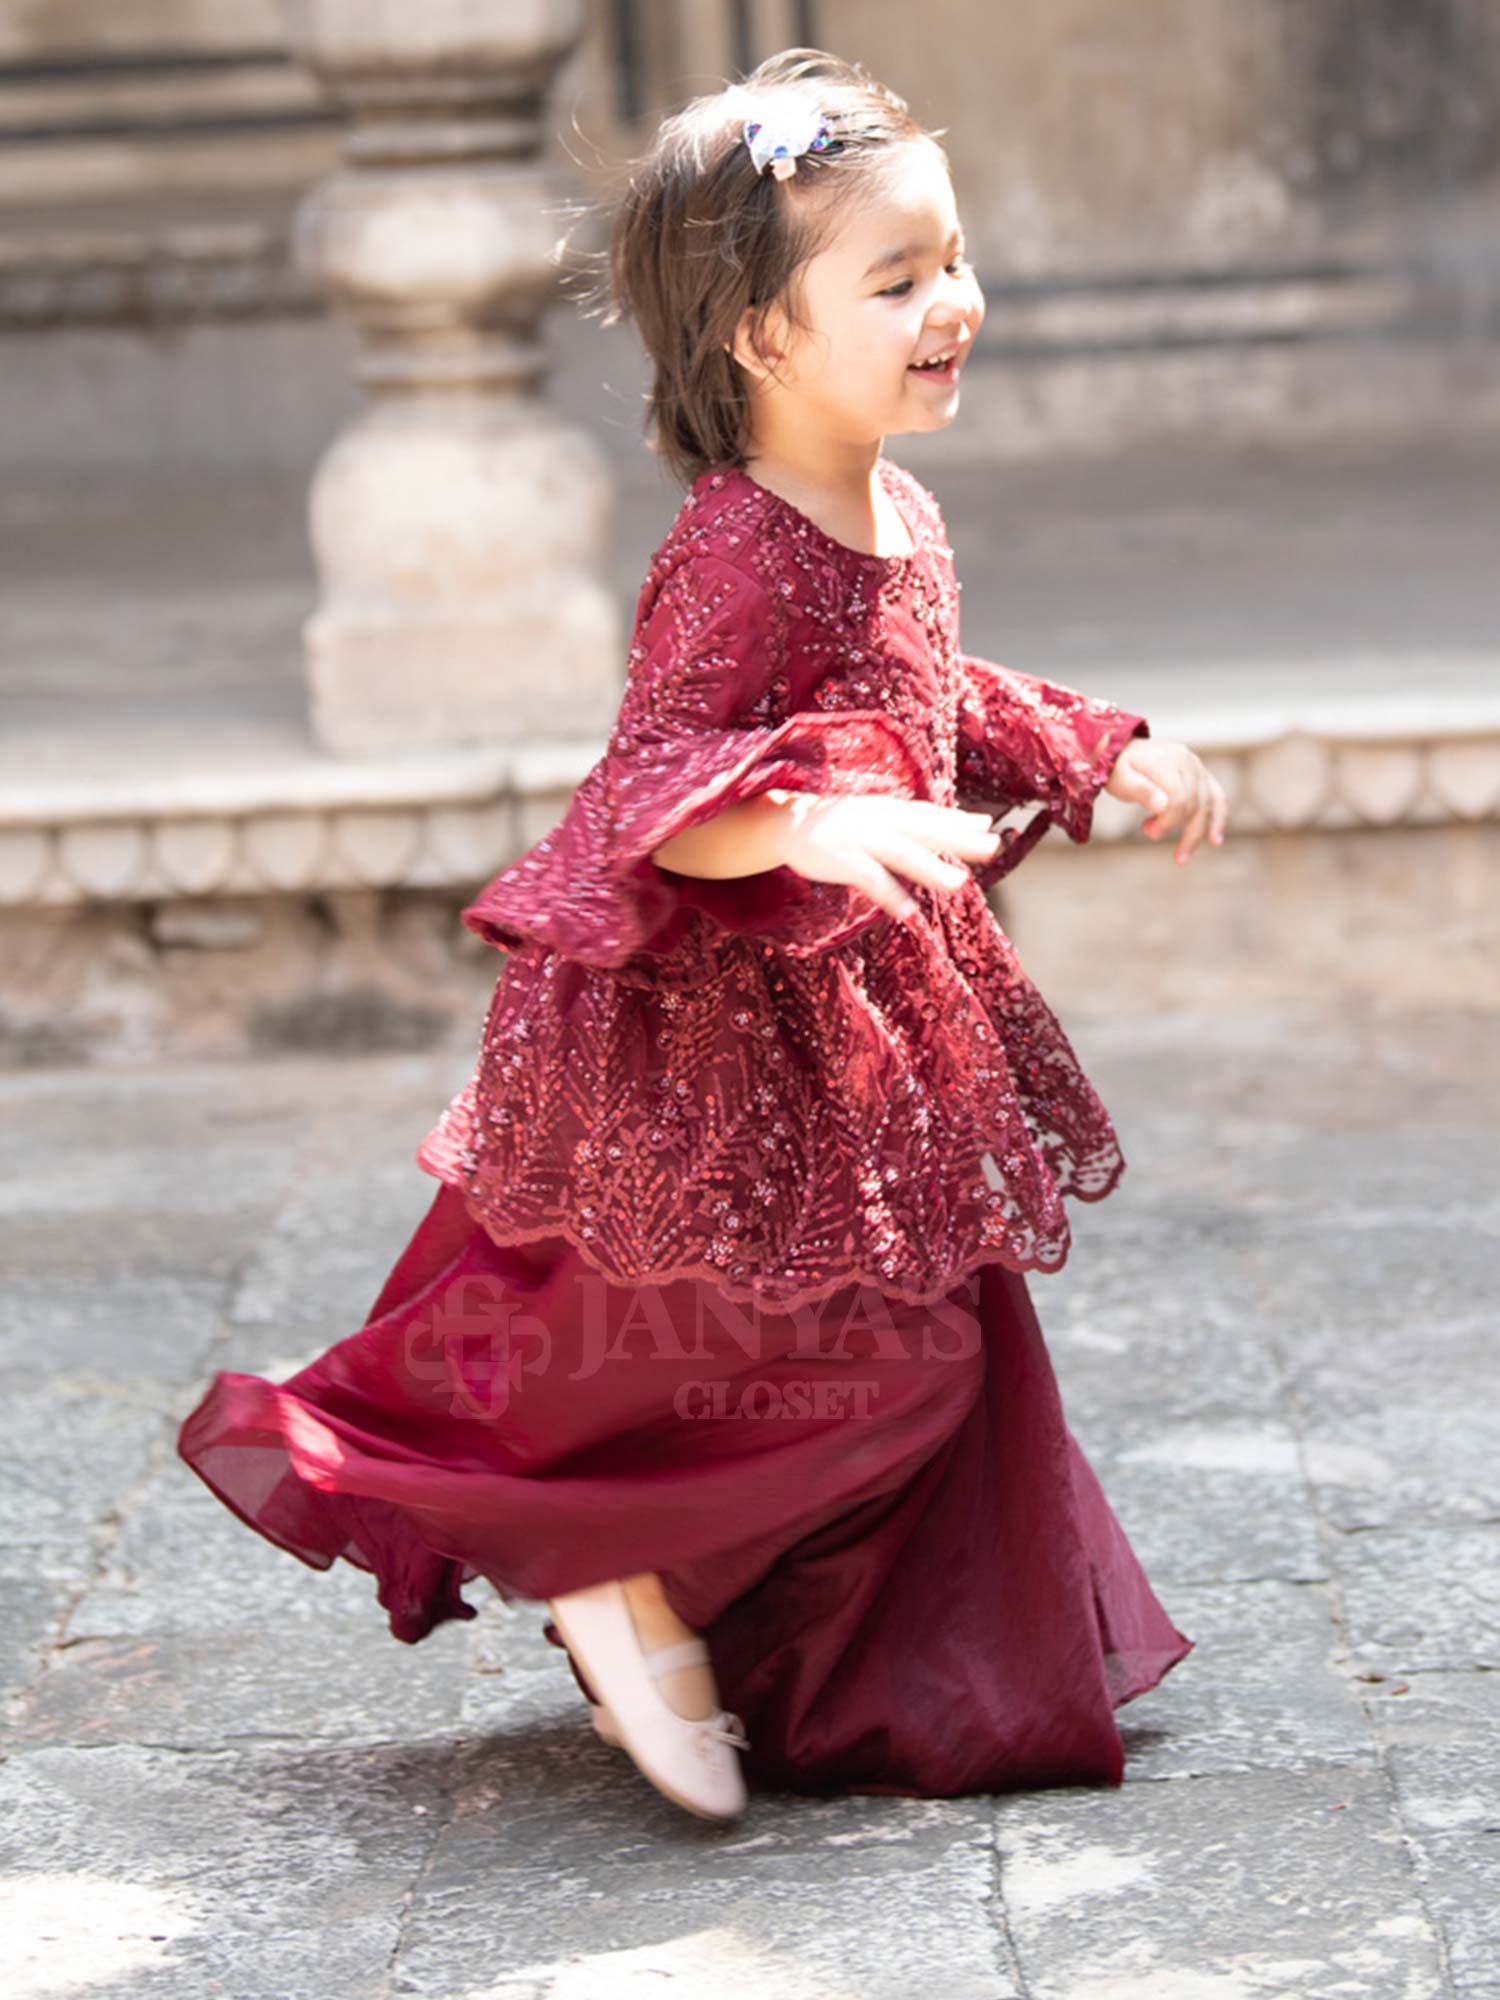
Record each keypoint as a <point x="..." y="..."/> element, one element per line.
<point x="869" y="839"/>
<point x="1171" y="778"/>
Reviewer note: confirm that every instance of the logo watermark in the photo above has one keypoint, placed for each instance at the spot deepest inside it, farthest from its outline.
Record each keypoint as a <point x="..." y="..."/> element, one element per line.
<point x="481" y="1339"/>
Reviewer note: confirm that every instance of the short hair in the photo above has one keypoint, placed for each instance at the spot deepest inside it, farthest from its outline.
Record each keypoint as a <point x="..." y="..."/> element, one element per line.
<point x="699" y="236"/>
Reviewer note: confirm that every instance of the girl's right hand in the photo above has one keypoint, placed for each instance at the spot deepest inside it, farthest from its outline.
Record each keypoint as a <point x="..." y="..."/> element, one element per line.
<point x="868" y="840"/>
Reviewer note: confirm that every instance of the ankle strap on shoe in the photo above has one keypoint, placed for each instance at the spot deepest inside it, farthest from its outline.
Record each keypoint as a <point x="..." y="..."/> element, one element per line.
<point x="667" y="1659"/>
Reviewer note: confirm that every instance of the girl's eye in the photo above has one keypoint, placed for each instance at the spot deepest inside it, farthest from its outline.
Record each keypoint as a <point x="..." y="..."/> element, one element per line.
<point x="899" y="291"/>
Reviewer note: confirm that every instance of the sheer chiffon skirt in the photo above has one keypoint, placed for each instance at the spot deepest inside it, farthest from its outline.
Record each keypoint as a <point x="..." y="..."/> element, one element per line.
<point x="908" y="1575"/>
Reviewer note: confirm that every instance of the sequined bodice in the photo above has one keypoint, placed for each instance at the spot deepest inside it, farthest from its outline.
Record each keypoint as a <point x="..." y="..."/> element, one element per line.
<point x="765" y="1081"/>
<point x="874" y="631"/>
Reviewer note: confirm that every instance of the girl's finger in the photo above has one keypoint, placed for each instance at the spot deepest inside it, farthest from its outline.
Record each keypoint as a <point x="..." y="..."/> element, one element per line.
<point x="969" y="836"/>
<point x="976" y="843"/>
<point x="1193" y="831"/>
<point x="1163" y="821"/>
<point x="922" y="864"/>
<point x="1157" y="800"/>
<point x="951" y="830"/>
<point x="1221" y="815"/>
<point x="885" y="889"/>
<point x="1155" y="794"/>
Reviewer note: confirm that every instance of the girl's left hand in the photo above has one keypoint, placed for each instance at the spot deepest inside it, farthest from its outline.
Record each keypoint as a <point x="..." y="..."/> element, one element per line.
<point x="1173" y="780"/>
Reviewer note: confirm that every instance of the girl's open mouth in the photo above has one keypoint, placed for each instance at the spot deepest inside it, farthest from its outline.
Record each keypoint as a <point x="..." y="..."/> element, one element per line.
<point x="942" y="371"/>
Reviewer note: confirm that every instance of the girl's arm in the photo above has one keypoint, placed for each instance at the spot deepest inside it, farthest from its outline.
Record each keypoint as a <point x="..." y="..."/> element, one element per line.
<point x="744" y="839"/>
<point x="1021" y="739"/>
<point x="693" y="743"/>
<point x="876" y="844"/>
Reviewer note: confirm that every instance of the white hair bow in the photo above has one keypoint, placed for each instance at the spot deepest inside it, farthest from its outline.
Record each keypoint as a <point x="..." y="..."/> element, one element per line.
<point x="777" y="138"/>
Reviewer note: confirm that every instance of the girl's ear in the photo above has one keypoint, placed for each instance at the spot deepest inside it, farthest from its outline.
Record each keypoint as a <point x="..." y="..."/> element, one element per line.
<point x="757" y="361"/>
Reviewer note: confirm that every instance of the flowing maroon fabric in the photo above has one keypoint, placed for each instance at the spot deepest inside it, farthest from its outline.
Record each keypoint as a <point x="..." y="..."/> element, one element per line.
<point x="907" y="1574"/>
<point x="725" y="1275"/>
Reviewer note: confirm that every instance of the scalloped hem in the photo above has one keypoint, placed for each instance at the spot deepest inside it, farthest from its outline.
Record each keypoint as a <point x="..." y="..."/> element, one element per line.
<point x="741" y="1294"/>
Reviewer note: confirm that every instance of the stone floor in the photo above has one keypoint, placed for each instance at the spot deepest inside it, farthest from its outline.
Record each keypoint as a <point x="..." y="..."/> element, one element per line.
<point x="1276" y="1341"/>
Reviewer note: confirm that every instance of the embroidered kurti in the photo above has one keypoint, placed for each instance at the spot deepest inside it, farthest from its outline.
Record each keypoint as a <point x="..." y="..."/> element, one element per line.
<point x="768" y="1082"/>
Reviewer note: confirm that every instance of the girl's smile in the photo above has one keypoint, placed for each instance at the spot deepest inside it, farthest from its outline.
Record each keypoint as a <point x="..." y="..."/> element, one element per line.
<point x="943" y="367"/>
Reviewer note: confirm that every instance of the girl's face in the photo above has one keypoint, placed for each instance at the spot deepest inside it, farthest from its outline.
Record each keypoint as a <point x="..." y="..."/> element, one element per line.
<point x="890" y="288"/>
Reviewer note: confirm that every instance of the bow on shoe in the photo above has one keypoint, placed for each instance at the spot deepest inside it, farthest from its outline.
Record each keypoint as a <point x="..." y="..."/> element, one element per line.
<point x="723" y="1727"/>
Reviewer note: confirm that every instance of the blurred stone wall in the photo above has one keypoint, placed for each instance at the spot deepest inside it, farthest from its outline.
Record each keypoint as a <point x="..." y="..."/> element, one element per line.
<point x="1101" y="134"/>
<point x="1184" y="213"/>
<point x="126" y="103"/>
<point x="1086" y="135"/>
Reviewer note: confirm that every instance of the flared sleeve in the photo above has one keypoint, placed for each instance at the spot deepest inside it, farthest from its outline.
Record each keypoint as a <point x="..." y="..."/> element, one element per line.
<point x="1022" y="739"/>
<point x="701" y="727"/>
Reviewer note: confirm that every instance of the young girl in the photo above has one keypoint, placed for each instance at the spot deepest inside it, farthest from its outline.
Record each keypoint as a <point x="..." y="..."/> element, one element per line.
<point x="716" y="1337"/>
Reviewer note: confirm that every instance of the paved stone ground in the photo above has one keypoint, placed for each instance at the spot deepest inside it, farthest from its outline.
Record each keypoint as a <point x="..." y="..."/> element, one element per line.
<point x="1276" y="1341"/>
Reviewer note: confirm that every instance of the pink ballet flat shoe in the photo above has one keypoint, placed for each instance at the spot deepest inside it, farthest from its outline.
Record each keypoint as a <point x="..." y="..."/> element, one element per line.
<point x="604" y="1722"/>
<point x="690" y="1760"/>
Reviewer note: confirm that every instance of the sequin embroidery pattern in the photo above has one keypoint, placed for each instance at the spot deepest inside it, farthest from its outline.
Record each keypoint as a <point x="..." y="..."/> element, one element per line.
<point x="766" y="1082"/>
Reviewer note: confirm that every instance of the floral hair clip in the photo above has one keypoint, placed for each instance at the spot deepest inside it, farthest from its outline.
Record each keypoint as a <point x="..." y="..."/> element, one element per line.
<point x="778" y="141"/>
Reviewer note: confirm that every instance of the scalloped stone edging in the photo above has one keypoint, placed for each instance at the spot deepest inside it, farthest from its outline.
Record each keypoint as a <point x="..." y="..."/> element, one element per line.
<point x="442" y="823"/>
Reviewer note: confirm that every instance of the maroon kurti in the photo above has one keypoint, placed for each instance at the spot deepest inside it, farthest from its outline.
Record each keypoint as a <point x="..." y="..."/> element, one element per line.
<point x="724" y="1276"/>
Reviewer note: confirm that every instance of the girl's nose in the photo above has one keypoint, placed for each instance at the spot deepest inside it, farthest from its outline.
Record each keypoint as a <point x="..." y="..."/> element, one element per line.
<point x="961" y="321"/>
<point x="958" y="333"/>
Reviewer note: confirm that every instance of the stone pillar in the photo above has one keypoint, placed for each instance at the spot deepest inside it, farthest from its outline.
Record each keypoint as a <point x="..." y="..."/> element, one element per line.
<point x="460" y="527"/>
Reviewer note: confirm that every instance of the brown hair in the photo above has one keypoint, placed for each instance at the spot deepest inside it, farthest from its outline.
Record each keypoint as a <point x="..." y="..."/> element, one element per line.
<point x="699" y="237"/>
